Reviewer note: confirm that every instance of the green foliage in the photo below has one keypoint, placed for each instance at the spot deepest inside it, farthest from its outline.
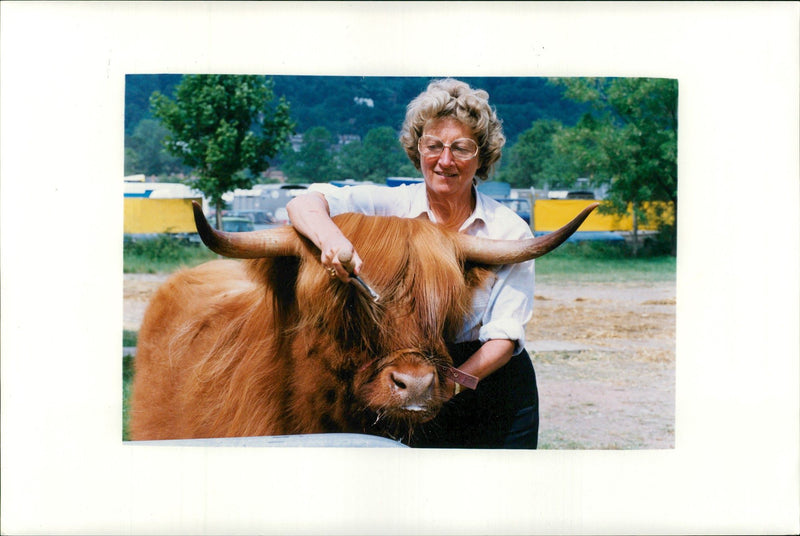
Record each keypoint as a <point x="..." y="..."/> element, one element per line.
<point x="603" y="250"/>
<point x="330" y="102"/>
<point x="319" y="159"/>
<point x="161" y="254"/>
<point x="314" y="161"/>
<point x="146" y="152"/>
<point x="592" y="249"/>
<point x="378" y="156"/>
<point x="531" y="161"/>
<point x="664" y="243"/>
<point x="630" y="138"/>
<point x="138" y="89"/>
<point x="222" y="126"/>
<point x="133" y="162"/>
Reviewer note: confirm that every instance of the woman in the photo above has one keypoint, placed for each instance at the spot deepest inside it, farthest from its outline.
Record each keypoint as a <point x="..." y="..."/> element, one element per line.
<point x="453" y="136"/>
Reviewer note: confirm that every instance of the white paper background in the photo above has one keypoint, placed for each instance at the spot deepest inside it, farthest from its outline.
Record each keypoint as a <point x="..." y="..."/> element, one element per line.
<point x="735" y="465"/>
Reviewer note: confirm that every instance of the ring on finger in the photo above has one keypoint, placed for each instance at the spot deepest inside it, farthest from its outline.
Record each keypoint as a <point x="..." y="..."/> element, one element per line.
<point x="332" y="271"/>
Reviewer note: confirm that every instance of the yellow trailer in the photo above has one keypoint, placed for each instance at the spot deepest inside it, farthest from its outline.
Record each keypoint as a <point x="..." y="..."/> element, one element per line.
<point x="154" y="215"/>
<point x="550" y="214"/>
<point x="158" y="207"/>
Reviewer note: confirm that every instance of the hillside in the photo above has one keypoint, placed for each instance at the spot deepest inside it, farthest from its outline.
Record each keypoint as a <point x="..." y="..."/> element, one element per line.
<point x="354" y="104"/>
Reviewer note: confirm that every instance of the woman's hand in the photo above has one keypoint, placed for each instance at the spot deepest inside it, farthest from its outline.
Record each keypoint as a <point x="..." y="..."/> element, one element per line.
<point x="339" y="257"/>
<point x="310" y="215"/>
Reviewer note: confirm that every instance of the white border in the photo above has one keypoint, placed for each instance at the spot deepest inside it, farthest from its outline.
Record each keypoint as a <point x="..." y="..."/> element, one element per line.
<point x="735" y="466"/>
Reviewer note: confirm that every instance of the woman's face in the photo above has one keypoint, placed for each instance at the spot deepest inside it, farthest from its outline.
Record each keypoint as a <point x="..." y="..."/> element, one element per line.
<point x="446" y="177"/>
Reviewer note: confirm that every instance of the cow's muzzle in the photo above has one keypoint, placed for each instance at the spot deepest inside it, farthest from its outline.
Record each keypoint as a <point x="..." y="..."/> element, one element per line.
<point x="406" y="385"/>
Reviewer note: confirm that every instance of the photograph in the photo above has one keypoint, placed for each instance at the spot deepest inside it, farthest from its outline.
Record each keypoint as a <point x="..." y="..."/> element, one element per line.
<point x="599" y="324"/>
<point x="331" y="268"/>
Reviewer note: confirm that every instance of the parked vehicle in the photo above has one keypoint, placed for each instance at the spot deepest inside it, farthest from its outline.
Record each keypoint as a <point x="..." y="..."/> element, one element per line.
<point x="580" y="194"/>
<point x="255" y="216"/>
<point x="519" y="205"/>
<point x="232" y="224"/>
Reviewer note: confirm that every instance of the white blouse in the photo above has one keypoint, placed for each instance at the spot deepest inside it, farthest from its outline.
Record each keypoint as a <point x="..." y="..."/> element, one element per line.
<point x="504" y="306"/>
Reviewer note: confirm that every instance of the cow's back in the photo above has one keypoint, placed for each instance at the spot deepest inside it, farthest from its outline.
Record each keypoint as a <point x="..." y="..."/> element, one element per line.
<point x="184" y="366"/>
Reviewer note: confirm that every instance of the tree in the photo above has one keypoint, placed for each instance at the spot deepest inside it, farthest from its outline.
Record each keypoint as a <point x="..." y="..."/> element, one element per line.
<point x="630" y="137"/>
<point x="149" y="156"/>
<point x="225" y="128"/>
<point x="378" y="156"/>
<point x="382" y="154"/>
<point x="532" y="161"/>
<point x="313" y="162"/>
<point x="131" y="162"/>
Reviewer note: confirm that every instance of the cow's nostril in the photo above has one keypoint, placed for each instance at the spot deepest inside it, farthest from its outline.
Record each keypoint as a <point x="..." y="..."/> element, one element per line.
<point x="397" y="381"/>
<point x="412" y="385"/>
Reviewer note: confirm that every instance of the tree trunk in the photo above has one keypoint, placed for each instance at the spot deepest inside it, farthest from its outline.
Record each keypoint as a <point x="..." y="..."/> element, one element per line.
<point x="218" y="207"/>
<point x="635" y="232"/>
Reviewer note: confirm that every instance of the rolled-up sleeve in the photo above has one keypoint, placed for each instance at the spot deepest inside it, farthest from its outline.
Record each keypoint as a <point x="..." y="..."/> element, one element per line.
<point x="505" y="306"/>
<point x="510" y="305"/>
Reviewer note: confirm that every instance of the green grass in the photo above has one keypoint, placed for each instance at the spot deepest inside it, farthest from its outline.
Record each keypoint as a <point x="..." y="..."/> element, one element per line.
<point x="127" y="381"/>
<point x="582" y="270"/>
<point x="162" y="254"/>
<point x="602" y="263"/>
<point x="129" y="338"/>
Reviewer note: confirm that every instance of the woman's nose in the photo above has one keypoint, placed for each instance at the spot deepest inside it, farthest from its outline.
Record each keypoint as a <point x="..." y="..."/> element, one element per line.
<point x="446" y="158"/>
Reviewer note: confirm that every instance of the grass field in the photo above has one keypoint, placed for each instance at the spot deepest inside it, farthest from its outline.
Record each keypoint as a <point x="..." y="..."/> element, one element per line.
<point x="162" y="255"/>
<point x="565" y="268"/>
<point x="582" y="262"/>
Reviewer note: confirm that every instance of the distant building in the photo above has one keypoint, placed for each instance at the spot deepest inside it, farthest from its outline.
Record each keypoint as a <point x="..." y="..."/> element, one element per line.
<point x="344" y="139"/>
<point x="296" y="140"/>
<point x="364" y="101"/>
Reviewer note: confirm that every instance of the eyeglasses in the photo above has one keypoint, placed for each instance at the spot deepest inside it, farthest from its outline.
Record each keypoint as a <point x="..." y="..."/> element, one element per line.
<point x="461" y="149"/>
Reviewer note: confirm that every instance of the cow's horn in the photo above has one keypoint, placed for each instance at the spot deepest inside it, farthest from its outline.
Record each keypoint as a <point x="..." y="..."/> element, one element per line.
<point x="495" y="252"/>
<point x="281" y="241"/>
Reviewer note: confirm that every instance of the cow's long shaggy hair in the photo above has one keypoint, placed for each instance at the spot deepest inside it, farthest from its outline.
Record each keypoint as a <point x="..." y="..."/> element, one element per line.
<point x="276" y="346"/>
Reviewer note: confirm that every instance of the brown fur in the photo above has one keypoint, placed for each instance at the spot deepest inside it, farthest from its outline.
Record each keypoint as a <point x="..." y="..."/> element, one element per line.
<point x="275" y="346"/>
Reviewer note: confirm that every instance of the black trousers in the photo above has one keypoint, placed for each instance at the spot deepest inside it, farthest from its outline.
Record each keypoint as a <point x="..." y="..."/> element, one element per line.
<point x="503" y="412"/>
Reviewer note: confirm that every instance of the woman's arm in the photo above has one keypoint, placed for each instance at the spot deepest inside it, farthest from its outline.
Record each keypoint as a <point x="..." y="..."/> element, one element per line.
<point x="310" y="215"/>
<point x="492" y="355"/>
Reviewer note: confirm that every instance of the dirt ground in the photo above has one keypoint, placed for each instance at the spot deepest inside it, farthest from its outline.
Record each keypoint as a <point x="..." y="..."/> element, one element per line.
<point x="604" y="355"/>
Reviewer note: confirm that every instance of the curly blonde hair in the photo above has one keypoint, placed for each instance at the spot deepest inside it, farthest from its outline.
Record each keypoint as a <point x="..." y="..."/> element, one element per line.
<point x="453" y="98"/>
